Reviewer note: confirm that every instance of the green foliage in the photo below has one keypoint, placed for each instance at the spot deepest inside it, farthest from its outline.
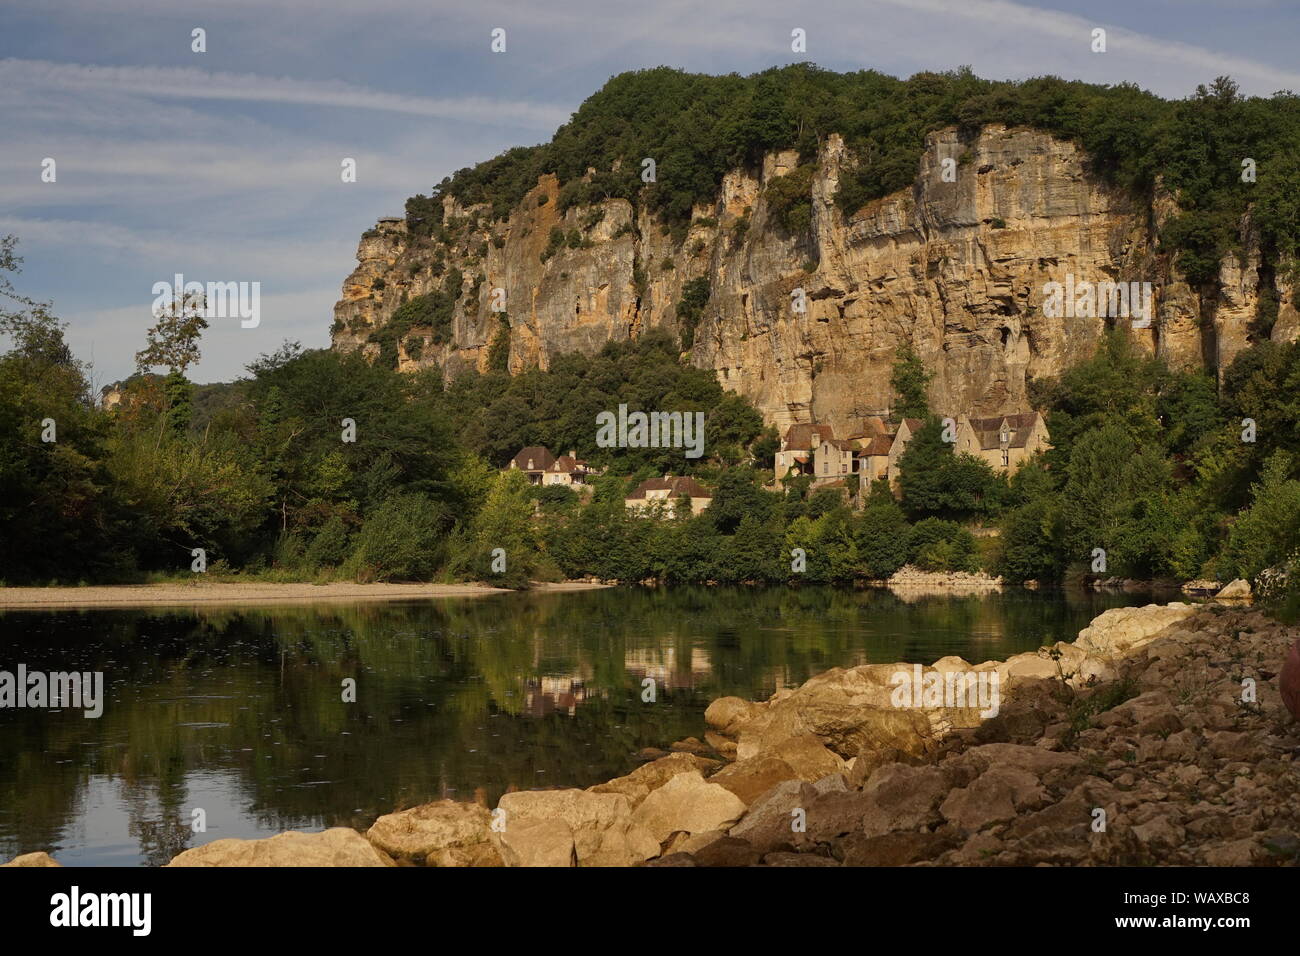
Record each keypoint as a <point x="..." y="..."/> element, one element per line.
<point x="789" y="199"/>
<point x="937" y="545"/>
<point x="909" y="379"/>
<point x="330" y="547"/>
<point x="1268" y="532"/>
<point x="400" y="541"/>
<point x="695" y="295"/>
<point x="882" y="538"/>
<point x="499" y="350"/>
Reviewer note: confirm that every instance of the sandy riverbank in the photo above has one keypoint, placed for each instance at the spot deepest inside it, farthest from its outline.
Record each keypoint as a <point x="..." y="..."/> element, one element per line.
<point x="208" y="593"/>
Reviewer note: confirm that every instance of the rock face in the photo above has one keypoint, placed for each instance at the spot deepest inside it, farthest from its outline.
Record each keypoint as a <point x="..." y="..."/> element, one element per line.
<point x="337" y="847"/>
<point x="954" y="269"/>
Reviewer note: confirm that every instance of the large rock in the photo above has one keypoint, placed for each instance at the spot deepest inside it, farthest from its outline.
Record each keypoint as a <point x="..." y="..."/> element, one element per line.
<point x="339" y="846"/>
<point x="1238" y="590"/>
<point x="445" y="833"/>
<point x="601" y="823"/>
<point x="998" y="794"/>
<point x="769" y="824"/>
<point x="537" y="843"/>
<point x="638" y="784"/>
<point x="750" y="779"/>
<point x="687" y="804"/>
<point x="38" y="859"/>
<point x="1120" y="630"/>
<point x="902" y="797"/>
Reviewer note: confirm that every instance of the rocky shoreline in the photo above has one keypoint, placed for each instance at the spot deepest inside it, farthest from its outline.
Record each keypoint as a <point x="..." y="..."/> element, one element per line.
<point x="1159" y="736"/>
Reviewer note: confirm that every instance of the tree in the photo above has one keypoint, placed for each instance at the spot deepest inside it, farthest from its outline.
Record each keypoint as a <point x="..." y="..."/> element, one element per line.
<point x="882" y="538"/>
<point x="173" y="340"/>
<point x="910" y="381"/>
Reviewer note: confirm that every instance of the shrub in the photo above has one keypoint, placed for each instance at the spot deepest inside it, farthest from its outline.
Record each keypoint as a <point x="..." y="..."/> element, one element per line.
<point x="400" y="540"/>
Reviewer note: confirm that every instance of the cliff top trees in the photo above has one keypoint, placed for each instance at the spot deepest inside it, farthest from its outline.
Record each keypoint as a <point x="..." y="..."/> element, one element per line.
<point x="698" y="127"/>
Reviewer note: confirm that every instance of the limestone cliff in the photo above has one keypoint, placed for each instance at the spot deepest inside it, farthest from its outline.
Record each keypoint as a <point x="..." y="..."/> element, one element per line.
<point x="954" y="269"/>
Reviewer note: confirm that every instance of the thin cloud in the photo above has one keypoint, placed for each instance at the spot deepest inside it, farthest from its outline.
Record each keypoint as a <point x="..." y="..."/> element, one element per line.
<point x="191" y="83"/>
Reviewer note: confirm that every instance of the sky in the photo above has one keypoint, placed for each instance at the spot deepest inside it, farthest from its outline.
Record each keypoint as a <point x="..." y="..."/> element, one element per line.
<point x="225" y="165"/>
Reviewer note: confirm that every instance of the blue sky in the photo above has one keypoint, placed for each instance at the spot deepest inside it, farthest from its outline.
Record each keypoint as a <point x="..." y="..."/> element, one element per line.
<point x="225" y="165"/>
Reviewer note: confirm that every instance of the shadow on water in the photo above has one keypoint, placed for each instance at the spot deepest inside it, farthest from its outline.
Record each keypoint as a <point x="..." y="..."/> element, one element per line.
<point x="239" y="712"/>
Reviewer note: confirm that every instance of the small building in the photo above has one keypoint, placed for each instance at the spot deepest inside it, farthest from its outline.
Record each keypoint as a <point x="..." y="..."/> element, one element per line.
<point x="906" y="429"/>
<point x="798" y="447"/>
<point x="834" y="458"/>
<point x="1004" y="441"/>
<point x="533" y="461"/>
<point x="666" y="491"/>
<point x="567" y="470"/>
<point x="873" y="459"/>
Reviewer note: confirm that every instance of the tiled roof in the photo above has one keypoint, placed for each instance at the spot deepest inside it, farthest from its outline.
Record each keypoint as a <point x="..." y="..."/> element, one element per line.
<point x="540" y="457"/>
<point x="680" y="485"/>
<point x="807" y="435"/>
<point x="879" y="445"/>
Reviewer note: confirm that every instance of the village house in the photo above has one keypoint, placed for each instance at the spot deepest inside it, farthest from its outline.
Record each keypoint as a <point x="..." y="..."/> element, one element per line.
<point x="873" y="459"/>
<point x="798" y="447"/>
<point x="543" y="468"/>
<point x="834" y="458"/>
<point x="663" y="493"/>
<point x="1004" y="441"/>
<point x="533" y="462"/>
<point x="902" y="435"/>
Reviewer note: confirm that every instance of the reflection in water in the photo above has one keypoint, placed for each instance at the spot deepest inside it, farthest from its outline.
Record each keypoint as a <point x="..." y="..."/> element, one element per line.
<point x="240" y="712"/>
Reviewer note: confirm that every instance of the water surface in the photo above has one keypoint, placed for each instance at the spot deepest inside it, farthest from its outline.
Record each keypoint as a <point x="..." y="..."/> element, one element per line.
<point x="239" y="711"/>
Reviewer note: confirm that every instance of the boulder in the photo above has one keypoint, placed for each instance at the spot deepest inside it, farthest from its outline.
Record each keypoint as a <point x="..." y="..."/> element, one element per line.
<point x="894" y="849"/>
<point x="687" y="803"/>
<point x="727" y="851"/>
<point x="750" y="779"/>
<point x="729" y="714"/>
<point x="808" y="757"/>
<point x="1119" y="630"/>
<point x="902" y="797"/>
<point x="444" y="833"/>
<point x="601" y="823"/>
<point x="768" y="825"/>
<point x="537" y="843"/>
<point x="1238" y="590"/>
<point x="40" y="858"/>
<point x="339" y="846"/>
<point x="996" y="795"/>
<point x="638" y="784"/>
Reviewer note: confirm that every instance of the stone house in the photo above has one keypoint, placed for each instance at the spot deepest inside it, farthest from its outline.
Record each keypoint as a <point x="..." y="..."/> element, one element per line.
<point x="873" y="459"/>
<point x="798" y="447"/>
<point x="664" y="492"/>
<point x="834" y="458"/>
<point x="533" y="462"/>
<point x="906" y="429"/>
<point x="567" y="470"/>
<point x="1004" y="441"/>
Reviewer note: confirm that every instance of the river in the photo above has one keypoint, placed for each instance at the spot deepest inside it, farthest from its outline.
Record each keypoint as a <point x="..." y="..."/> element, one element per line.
<point x="240" y="713"/>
